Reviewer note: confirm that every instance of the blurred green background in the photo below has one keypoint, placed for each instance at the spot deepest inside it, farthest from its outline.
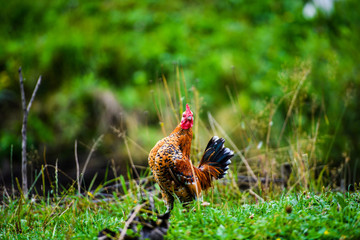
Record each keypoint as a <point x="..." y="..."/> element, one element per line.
<point x="102" y="64"/>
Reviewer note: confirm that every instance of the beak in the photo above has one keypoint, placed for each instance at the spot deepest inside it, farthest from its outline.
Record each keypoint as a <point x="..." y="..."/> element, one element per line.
<point x="189" y="118"/>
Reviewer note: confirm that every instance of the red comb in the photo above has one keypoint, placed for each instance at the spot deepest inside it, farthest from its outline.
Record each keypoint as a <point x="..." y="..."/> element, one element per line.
<point x="188" y="111"/>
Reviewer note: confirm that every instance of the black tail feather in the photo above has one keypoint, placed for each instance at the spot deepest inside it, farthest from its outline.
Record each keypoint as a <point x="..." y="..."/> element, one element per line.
<point x="217" y="155"/>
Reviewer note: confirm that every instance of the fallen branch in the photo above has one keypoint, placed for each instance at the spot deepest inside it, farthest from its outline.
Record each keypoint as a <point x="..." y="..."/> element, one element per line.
<point x="130" y="219"/>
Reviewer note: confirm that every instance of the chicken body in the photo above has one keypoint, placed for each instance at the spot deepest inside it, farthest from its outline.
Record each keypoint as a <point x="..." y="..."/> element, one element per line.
<point x="170" y="163"/>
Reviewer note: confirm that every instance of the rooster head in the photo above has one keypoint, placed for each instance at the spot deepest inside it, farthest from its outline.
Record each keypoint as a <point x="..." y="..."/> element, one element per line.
<point x="187" y="119"/>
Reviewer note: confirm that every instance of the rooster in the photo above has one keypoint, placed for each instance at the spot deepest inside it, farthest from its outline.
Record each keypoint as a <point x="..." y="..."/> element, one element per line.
<point x="173" y="170"/>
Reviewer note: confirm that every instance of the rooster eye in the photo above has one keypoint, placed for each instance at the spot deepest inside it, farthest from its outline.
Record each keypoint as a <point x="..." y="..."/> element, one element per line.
<point x="184" y="114"/>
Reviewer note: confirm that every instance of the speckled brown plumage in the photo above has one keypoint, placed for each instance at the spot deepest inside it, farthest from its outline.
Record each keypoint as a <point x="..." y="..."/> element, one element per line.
<point x="170" y="163"/>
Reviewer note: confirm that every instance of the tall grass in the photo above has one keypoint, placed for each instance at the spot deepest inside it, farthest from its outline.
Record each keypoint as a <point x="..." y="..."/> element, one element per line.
<point x="278" y="145"/>
<point x="267" y="144"/>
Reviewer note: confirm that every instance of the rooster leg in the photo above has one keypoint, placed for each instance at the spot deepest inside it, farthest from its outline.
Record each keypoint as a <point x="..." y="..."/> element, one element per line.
<point x="169" y="201"/>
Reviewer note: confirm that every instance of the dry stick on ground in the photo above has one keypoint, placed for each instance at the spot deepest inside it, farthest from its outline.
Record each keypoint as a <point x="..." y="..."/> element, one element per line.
<point x="26" y="110"/>
<point x="255" y="195"/>
<point x="130" y="219"/>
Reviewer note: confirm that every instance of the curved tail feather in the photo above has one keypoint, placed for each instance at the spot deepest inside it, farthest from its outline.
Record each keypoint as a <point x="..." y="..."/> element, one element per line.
<point x="215" y="161"/>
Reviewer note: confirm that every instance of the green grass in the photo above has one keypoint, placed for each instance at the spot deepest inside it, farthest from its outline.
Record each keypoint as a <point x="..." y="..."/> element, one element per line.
<point x="327" y="215"/>
<point x="297" y="216"/>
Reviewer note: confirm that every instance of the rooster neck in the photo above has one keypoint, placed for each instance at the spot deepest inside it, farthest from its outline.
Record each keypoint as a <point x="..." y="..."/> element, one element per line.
<point x="183" y="138"/>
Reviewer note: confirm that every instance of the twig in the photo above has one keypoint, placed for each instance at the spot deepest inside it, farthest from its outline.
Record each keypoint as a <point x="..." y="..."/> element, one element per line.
<point x="130" y="157"/>
<point x="129" y="221"/>
<point x="56" y="178"/>
<point x="26" y="110"/>
<point x="89" y="157"/>
<point x="77" y="167"/>
<point x="255" y="195"/>
<point x="34" y="93"/>
<point x="11" y="172"/>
